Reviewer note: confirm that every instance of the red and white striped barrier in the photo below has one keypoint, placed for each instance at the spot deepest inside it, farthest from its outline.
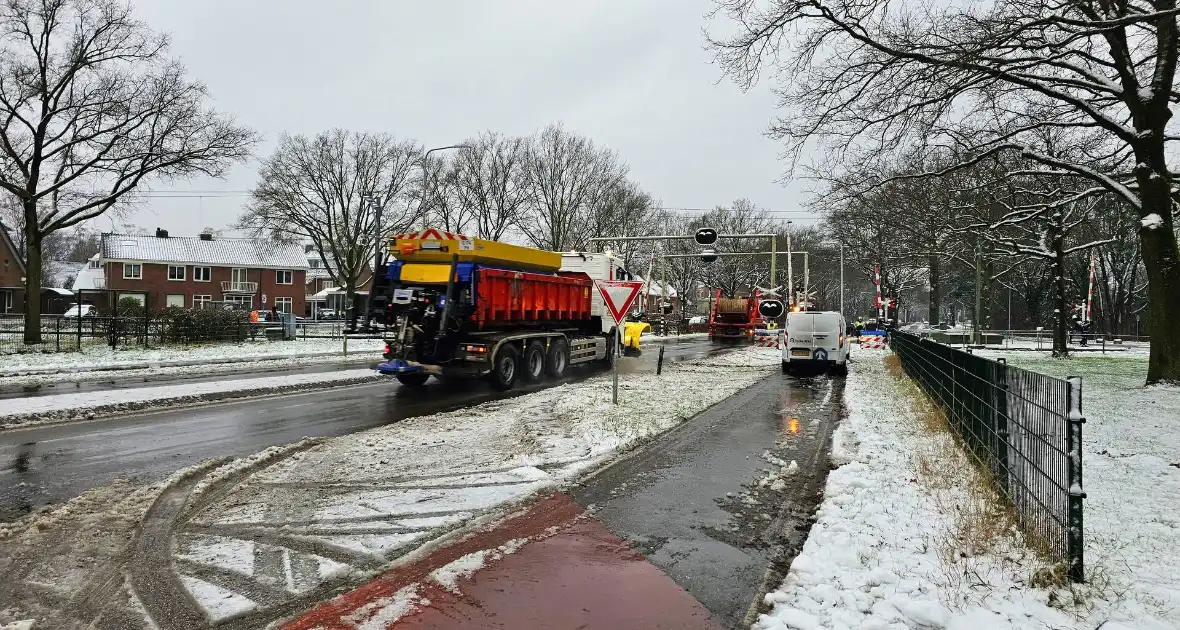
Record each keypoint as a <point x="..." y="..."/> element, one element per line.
<point x="767" y="338"/>
<point x="872" y="342"/>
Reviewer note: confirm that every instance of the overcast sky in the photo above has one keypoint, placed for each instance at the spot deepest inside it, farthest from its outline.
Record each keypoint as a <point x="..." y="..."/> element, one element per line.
<point x="631" y="74"/>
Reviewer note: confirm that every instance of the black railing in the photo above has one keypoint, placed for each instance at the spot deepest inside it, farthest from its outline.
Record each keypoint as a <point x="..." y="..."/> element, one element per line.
<point x="1023" y="427"/>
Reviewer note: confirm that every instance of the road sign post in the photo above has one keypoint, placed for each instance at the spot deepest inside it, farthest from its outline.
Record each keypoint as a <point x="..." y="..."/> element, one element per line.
<point x="618" y="295"/>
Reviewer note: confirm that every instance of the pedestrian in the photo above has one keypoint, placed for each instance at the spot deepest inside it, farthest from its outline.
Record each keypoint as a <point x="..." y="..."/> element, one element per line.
<point x="274" y="313"/>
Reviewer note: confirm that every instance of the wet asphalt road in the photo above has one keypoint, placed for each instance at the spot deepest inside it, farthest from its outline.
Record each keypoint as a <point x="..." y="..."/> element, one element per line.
<point x="691" y="504"/>
<point x="40" y="466"/>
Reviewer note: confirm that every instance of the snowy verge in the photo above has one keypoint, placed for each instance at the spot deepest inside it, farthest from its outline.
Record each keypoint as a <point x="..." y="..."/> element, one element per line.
<point x="103" y="358"/>
<point x="899" y="543"/>
<point x="89" y="405"/>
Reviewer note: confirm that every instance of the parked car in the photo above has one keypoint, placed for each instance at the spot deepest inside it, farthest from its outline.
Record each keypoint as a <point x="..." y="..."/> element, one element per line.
<point x="80" y="310"/>
<point x="326" y="313"/>
<point x="815" y="343"/>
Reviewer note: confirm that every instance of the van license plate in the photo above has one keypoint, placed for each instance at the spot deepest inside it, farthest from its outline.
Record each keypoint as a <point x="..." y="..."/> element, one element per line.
<point x="800" y="352"/>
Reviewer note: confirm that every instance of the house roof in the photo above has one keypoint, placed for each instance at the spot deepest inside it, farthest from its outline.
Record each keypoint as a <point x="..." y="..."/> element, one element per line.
<point x="89" y="278"/>
<point x="222" y="252"/>
<point x="7" y="238"/>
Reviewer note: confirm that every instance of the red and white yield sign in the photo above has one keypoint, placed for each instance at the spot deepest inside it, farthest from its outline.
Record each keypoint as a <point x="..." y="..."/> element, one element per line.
<point x="619" y="295"/>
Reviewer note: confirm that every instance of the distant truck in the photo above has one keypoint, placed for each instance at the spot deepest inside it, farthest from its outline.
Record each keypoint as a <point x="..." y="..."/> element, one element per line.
<point x="733" y="319"/>
<point x="463" y="307"/>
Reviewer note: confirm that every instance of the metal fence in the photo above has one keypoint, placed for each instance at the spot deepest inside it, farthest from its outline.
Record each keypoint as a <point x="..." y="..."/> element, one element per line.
<point x="1023" y="427"/>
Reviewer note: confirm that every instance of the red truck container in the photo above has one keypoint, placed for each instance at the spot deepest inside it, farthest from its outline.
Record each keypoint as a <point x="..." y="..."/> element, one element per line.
<point x="516" y="297"/>
<point x="733" y="319"/>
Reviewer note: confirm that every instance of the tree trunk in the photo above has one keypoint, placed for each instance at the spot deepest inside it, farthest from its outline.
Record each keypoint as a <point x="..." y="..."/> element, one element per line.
<point x="33" y="268"/>
<point x="1060" y="311"/>
<point x="1161" y="259"/>
<point x="350" y="303"/>
<point x="935" y="292"/>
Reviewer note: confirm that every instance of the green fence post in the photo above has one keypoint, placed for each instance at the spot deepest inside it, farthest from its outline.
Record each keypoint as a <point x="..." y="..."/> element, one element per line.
<point x="1074" y="540"/>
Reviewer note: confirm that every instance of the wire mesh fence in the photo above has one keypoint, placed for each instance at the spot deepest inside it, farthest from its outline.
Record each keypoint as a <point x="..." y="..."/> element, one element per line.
<point x="1023" y="427"/>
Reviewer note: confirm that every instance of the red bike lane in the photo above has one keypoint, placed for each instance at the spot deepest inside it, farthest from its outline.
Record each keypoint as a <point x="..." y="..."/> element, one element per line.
<point x="571" y="573"/>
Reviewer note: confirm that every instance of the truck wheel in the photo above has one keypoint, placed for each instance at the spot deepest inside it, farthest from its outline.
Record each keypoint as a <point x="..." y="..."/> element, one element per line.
<point x="786" y="367"/>
<point x="503" y="374"/>
<point x="611" y="350"/>
<point x="413" y="379"/>
<point x="840" y="369"/>
<point x="558" y="359"/>
<point x="534" y="361"/>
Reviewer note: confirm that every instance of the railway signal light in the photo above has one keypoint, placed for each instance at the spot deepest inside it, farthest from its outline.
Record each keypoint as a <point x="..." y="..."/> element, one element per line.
<point x="706" y="236"/>
<point x="770" y="309"/>
<point x="708" y="256"/>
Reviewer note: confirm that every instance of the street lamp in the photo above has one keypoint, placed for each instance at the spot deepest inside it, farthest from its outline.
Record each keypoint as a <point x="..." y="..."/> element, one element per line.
<point x="426" y="176"/>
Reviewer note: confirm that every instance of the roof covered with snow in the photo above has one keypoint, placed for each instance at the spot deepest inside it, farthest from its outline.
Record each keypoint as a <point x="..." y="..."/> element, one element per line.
<point x="89" y="278"/>
<point x="241" y="252"/>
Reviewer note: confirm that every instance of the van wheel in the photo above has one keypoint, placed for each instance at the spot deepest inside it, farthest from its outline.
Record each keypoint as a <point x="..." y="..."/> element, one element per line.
<point x="533" y="361"/>
<point x="786" y="367"/>
<point x="840" y="369"/>
<point x="504" y="367"/>
<point x="413" y="379"/>
<point x="558" y="359"/>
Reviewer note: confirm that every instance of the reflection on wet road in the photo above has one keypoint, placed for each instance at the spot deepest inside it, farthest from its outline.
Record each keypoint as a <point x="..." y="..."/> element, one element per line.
<point x="52" y="464"/>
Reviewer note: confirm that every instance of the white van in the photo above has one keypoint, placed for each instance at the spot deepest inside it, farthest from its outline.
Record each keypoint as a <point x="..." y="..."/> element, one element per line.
<point x="815" y="342"/>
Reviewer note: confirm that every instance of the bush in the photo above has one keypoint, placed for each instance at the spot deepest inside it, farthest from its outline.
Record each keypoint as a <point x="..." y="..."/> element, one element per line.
<point x="185" y="325"/>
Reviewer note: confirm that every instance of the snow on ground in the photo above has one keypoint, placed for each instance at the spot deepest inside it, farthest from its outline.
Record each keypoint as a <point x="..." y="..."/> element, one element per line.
<point x="888" y="549"/>
<point x="379" y="613"/>
<point x="648" y="337"/>
<point x="53" y="408"/>
<point x="1131" y="469"/>
<point x="101" y="357"/>
<point x="378" y="494"/>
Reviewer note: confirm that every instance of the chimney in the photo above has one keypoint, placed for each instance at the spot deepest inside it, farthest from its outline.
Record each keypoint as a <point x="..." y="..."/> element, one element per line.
<point x="161" y="233"/>
<point x="207" y="235"/>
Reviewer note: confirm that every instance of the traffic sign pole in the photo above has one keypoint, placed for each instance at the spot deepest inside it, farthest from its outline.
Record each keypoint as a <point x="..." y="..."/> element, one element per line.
<point x="617" y="296"/>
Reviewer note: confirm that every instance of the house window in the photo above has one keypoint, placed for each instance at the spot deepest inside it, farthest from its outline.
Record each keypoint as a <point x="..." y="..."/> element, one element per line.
<point x="283" y="304"/>
<point x="202" y="274"/>
<point x="176" y="272"/>
<point x="329" y="284"/>
<point x="94" y="264"/>
<point x="238" y="275"/>
<point x="132" y="271"/>
<point x="174" y="300"/>
<point x="202" y="301"/>
<point x="283" y="276"/>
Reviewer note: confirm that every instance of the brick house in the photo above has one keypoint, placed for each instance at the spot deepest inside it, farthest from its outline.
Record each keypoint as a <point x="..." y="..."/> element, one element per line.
<point x="12" y="275"/>
<point x="203" y="271"/>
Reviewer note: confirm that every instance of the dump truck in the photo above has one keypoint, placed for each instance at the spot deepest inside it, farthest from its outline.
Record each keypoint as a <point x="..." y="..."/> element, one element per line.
<point x="463" y="307"/>
<point x="733" y="319"/>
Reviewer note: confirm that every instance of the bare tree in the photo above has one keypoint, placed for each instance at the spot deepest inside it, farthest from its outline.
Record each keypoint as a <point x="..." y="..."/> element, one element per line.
<point x="325" y="189"/>
<point x="91" y="106"/>
<point x="871" y="76"/>
<point x="566" y="176"/>
<point x="489" y="180"/>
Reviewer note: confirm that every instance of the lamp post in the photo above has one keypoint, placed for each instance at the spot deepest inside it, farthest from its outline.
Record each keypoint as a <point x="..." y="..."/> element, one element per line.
<point x="426" y="176"/>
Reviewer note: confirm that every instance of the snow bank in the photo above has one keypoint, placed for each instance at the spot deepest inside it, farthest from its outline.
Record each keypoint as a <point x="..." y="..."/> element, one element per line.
<point x="102" y="358"/>
<point x="883" y="554"/>
<point x="86" y="405"/>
